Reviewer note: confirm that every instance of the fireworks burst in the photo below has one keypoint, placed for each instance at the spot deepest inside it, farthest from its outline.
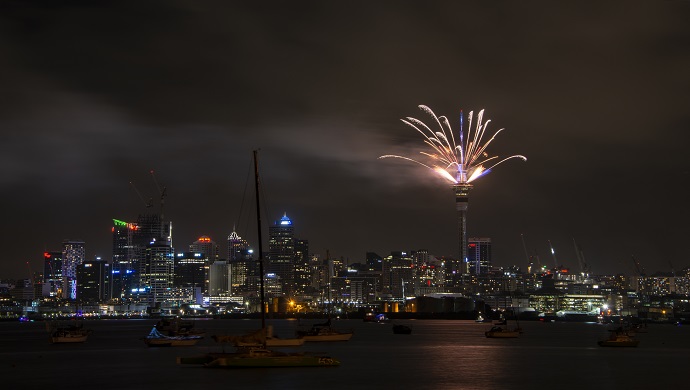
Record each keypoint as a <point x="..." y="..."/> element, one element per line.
<point x="459" y="163"/>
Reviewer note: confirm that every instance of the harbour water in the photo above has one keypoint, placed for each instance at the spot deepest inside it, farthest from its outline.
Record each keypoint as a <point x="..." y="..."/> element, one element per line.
<point x="439" y="354"/>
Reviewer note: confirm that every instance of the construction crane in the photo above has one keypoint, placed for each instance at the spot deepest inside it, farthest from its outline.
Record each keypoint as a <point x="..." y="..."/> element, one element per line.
<point x="639" y="269"/>
<point x="553" y="254"/>
<point x="584" y="267"/>
<point x="524" y="246"/>
<point x="31" y="273"/>
<point x="161" y="191"/>
<point x="148" y="204"/>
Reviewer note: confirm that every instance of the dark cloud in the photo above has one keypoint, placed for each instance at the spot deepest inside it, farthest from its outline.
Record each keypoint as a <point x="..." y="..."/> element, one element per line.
<point x="96" y="95"/>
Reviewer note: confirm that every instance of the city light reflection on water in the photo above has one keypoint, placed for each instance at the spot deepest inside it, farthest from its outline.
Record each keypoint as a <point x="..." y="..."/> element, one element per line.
<point x="439" y="354"/>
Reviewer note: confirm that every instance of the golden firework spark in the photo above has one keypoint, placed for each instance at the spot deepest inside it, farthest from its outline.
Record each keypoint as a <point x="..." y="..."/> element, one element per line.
<point x="459" y="163"/>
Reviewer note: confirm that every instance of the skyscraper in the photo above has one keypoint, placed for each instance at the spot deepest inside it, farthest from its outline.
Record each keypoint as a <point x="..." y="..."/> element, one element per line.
<point x="479" y="255"/>
<point x="125" y="265"/>
<point x="157" y="274"/>
<point x="281" y="253"/>
<point x="73" y="254"/>
<point x="154" y="258"/>
<point x="302" y="268"/>
<point x="244" y="271"/>
<point x="93" y="281"/>
<point x="205" y="245"/>
<point x="191" y="270"/>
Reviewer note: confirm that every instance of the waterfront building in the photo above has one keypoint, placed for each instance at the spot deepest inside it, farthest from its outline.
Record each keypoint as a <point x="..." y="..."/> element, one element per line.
<point x="73" y="254"/>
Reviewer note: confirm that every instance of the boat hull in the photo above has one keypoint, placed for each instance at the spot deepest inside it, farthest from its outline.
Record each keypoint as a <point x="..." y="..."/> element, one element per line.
<point x="171" y="343"/>
<point x="506" y="334"/>
<point x="69" y="339"/>
<point x="274" y="342"/>
<point x="613" y="343"/>
<point x="328" y="337"/>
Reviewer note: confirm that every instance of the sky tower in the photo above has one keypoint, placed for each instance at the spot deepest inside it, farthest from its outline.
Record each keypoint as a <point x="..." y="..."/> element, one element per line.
<point x="459" y="163"/>
<point x="462" y="195"/>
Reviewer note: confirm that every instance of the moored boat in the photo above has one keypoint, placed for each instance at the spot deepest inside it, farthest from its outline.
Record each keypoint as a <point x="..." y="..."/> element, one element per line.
<point x="380" y="318"/>
<point x="157" y="339"/>
<point x="67" y="334"/>
<point x="261" y="337"/>
<point x="498" y="332"/>
<point x="619" y="338"/>
<point x="176" y="326"/>
<point x="325" y="332"/>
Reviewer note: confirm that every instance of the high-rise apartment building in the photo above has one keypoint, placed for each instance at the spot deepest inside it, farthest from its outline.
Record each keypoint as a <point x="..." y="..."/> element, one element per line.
<point x="73" y="254"/>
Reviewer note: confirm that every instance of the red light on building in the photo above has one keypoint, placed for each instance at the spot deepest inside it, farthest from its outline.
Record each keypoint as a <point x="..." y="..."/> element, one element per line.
<point x="46" y="255"/>
<point x="472" y="245"/>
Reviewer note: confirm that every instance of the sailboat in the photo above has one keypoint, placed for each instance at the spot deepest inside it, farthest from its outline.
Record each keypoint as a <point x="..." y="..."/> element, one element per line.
<point x="258" y="355"/>
<point x="73" y="333"/>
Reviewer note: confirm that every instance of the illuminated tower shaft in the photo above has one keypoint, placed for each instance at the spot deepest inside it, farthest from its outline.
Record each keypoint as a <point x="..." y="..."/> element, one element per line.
<point x="462" y="194"/>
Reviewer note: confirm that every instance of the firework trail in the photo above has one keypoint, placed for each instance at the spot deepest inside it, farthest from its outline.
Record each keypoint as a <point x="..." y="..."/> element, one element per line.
<point x="459" y="163"/>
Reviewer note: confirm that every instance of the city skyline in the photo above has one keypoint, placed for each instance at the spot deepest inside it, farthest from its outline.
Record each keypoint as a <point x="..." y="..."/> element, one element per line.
<point x="594" y="97"/>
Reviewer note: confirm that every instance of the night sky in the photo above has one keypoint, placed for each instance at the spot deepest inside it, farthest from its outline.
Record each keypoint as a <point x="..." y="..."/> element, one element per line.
<point x="95" y="95"/>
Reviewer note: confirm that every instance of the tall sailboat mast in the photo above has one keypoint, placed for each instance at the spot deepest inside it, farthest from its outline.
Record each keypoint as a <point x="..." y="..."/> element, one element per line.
<point x="261" y="252"/>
